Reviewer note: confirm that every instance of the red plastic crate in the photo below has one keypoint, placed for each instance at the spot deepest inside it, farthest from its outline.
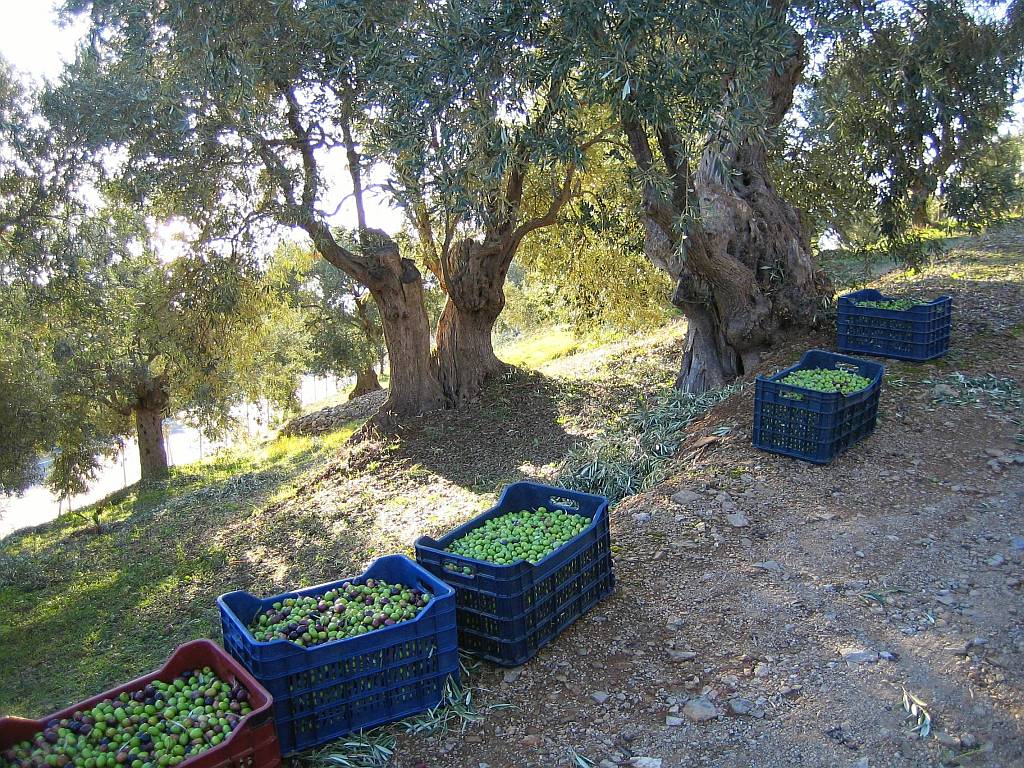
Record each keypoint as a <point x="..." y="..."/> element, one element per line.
<point x="253" y="744"/>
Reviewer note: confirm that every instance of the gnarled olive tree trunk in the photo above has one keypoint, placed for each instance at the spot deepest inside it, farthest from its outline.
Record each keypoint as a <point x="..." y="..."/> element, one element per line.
<point x="394" y="282"/>
<point x="747" y="270"/>
<point x="413" y="387"/>
<point x="366" y="382"/>
<point x="474" y="278"/>
<point x="397" y="287"/>
<point x="472" y="274"/>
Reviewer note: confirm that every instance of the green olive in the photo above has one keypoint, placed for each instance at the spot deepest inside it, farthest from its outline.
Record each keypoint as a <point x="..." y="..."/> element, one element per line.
<point x="826" y="380"/>
<point x="529" y="535"/>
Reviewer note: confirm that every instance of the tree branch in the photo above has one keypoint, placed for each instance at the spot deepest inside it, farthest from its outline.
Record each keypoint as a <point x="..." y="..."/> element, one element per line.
<point x="304" y="214"/>
<point x="653" y="201"/>
<point x="432" y="257"/>
<point x="550" y="216"/>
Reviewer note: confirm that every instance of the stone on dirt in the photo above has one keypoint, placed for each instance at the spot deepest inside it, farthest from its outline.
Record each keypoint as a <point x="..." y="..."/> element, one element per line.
<point x="685" y="496"/>
<point x="700" y="710"/>
<point x="738" y="520"/>
<point x="855" y="654"/>
<point x="740" y="706"/>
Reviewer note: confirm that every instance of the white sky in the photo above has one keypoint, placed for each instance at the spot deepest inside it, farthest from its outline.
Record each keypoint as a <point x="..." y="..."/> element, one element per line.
<point x="31" y="39"/>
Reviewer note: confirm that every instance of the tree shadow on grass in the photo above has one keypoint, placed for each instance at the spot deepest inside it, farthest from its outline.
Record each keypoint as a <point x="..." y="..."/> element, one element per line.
<point x="516" y="423"/>
<point x="111" y="606"/>
<point x="80" y="611"/>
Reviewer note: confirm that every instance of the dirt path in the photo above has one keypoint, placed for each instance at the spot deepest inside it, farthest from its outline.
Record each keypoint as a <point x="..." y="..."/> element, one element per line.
<point x="786" y="634"/>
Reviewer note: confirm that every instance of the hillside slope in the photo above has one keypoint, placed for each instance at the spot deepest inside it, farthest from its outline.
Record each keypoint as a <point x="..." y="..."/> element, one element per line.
<point x="796" y="624"/>
<point x="906" y="555"/>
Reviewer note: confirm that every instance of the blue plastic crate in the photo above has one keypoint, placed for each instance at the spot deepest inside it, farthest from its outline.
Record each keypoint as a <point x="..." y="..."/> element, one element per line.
<point x="815" y="426"/>
<point x="328" y="690"/>
<point x="506" y="613"/>
<point x="919" y="333"/>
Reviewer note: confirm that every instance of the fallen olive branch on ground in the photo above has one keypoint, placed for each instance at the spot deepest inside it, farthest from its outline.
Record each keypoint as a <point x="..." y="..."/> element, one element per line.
<point x="636" y="453"/>
<point x="374" y="748"/>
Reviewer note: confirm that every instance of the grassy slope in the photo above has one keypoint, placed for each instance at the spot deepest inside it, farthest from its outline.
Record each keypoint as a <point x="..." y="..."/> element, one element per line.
<point x="79" y="611"/>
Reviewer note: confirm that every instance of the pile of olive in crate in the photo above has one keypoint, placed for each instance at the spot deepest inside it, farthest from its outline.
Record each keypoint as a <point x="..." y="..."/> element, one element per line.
<point x="529" y="535"/>
<point x="159" y="725"/>
<point x="350" y="610"/>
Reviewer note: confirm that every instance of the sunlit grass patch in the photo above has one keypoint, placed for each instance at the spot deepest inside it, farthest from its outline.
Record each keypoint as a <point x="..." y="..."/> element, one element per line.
<point x="146" y="582"/>
<point x="540" y="347"/>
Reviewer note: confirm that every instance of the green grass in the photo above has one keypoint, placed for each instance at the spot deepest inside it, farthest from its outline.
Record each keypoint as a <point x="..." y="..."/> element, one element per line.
<point x="536" y="349"/>
<point x="114" y="604"/>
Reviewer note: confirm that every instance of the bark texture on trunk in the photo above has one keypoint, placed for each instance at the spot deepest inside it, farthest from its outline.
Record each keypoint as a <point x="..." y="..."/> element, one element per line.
<point x="397" y="286"/>
<point x="149" y="420"/>
<point x="747" y="268"/>
<point x="366" y="382"/>
<point x="413" y="388"/>
<point x="474" y="278"/>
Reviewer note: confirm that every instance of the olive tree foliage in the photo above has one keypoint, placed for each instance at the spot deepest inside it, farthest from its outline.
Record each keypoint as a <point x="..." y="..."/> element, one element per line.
<point x="593" y="265"/>
<point x="26" y="415"/>
<point x="697" y="90"/>
<point x="825" y="183"/>
<point x="484" y="132"/>
<point x="134" y="339"/>
<point x="988" y="184"/>
<point x="38" y="177"/>
<point x="341" y="321"/>
<point x="31" y="217"/>
<point x="227" y="113"/>
<point x="903" y="103"/>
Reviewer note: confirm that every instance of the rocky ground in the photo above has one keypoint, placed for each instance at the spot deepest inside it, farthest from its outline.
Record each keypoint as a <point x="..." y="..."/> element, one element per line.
<point x="773" y="613"/>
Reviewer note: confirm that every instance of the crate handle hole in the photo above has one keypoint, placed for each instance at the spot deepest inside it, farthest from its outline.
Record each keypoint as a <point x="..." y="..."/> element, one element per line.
<point x="560" y="501"/>
<point x="792" y="395"/>
<point x="460" y="569"/>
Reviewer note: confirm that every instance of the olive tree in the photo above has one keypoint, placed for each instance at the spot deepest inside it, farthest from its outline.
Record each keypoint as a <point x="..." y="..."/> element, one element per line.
<point x="231" y="113"/>
<point x="988" y="184"/>
<point x="134" y="339"/>
<point x="33" y="215"/>
<point x="26" y="412"/>
<point x="901" y="104"/>
<point x="696" y="90"/>
<point x="484" y="133"/>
